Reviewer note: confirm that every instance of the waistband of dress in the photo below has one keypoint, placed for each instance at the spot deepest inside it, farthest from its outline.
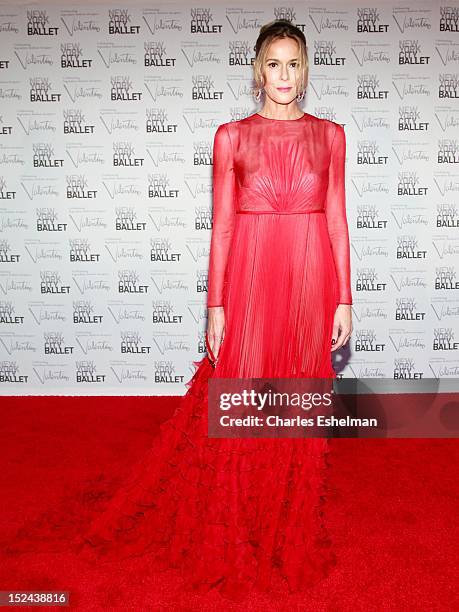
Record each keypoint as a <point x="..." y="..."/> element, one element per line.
<point x="279" y="212"/>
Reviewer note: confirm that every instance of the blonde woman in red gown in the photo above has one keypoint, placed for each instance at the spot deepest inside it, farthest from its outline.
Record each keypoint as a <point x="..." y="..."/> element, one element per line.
<point x="236" y="514"/>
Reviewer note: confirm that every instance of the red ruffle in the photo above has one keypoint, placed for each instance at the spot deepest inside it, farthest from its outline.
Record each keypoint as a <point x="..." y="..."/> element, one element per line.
<point x="233" y="514"/>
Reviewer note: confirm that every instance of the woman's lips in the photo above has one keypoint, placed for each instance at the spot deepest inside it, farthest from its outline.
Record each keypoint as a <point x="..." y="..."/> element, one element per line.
<point x="284" y="88"/>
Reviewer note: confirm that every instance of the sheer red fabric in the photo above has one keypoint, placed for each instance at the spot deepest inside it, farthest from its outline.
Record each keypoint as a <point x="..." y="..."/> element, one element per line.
<point x="279" y="254"/>
<point x="237" y="514"/>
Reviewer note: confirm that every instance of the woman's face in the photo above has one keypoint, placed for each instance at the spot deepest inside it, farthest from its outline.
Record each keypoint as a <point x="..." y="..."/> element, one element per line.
<point x="281" y="70"/>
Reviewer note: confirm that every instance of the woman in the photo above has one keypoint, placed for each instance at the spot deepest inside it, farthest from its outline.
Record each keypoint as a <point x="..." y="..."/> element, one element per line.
<point x="240" y="513"/>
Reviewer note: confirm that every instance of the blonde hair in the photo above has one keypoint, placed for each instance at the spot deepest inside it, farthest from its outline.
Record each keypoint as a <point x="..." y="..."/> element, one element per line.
<point x="274" y="30"/>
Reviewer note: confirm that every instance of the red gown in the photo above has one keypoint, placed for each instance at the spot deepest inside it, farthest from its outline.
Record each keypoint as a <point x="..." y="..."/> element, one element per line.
<point x="236" y="514"/>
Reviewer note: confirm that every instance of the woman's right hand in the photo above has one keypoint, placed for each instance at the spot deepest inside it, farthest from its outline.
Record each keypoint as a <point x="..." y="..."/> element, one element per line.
<point x="215" y="328"/>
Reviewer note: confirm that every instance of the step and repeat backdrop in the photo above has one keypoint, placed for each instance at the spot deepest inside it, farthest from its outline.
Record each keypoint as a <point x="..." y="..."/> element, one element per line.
<point x="107" y="119"/>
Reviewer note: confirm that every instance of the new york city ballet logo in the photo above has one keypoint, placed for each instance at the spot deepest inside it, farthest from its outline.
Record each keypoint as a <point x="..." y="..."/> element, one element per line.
<point x="448" y="151"/>
<point x="51" y="283"/>
<point x="409" y="119"/>
<point x="409" y="184"/>
<point x="407" y="309"/>
<point x="164" y="372"/>
<point x="202" y="153"/>
<point x="84" y="313"/>
<point x="5" y="128"/>
<point x="366" y="341"/>
<point x="44" y="156"/>
<point x="201" y="22"/>
<point x="161" y="250"/>
<point x="86" y="372"/>
<point x="240" y="53"/>
<point x="202" y="348"/>
<point x="38" y="23"/>
<point x="126" y="219"/>
<point x="7" y="313"/>
<point x="368" y="217"/>
<point x="158" y="187"/>
<point x="122" y="89"/>
<point x="163" y="312"/>
<point x="447" y="215"/>
<point x="368" y="280"/>
<point x="81" y="251"/>
<point x="404" y="368"/>
<point x="7" y="255"/>
<point x="120" y="22"/>
<point x="41" y="90"/>
<point x="54" y="344"/>
<point x="444" y="339"/>
<point x="368" y="154"/>
<point x="369" y="21"/>
<point x="5" y="192"/>
<point x="285" y="12"/>
<point x="203" y="88"/>
<point x="449" y="19"/>
<point x="75" y="122"/>
<point x="72" y="56"/>
<point x="445" y="278"/>
<point x="202" y="218"/>
<point x="408" y="248"/>
<point x="155" y="55"/>
<point x="10" y="372"/>
<point x="124" y="155"/>
<point x="156" y="122"/>
<point x="369" y="88"/>
<point x="448" y="87"/>
<point x="325" y="54"/>
<point x="129" y="282"/>
<point x="131" y="342"/>
<point x="410" y="53"/>
<point x="78" y="188"/>
<point x="48" y="220"/>
<point x="201" y="281"/>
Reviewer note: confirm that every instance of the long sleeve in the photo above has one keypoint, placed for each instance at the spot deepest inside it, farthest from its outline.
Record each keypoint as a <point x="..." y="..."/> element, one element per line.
<point x="223" y="178"/>
<point x="335" y="211"/>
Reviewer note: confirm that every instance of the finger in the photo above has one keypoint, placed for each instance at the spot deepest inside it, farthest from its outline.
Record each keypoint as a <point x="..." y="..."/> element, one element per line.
<point x="215" y="344"/>
<point x="335" y="334"/>
<point x="339" y="340"/>
<point x="342" y="340"/>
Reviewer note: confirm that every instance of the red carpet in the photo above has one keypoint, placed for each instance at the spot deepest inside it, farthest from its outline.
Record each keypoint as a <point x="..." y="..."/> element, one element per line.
<point x="392" y="513"/>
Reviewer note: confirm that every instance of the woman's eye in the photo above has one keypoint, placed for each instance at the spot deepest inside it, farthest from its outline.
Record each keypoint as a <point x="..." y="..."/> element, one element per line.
<point x="273" y="64"/>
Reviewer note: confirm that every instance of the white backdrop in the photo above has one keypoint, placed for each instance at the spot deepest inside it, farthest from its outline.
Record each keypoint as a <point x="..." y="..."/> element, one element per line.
<point x="107" y="118"/>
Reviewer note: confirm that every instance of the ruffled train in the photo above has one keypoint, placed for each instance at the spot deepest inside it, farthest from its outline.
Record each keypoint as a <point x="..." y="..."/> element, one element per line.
<point x="231" y="514"/>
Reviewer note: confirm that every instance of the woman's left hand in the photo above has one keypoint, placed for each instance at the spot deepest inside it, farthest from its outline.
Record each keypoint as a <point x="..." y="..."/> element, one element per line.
<point x="342" y="326"/>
